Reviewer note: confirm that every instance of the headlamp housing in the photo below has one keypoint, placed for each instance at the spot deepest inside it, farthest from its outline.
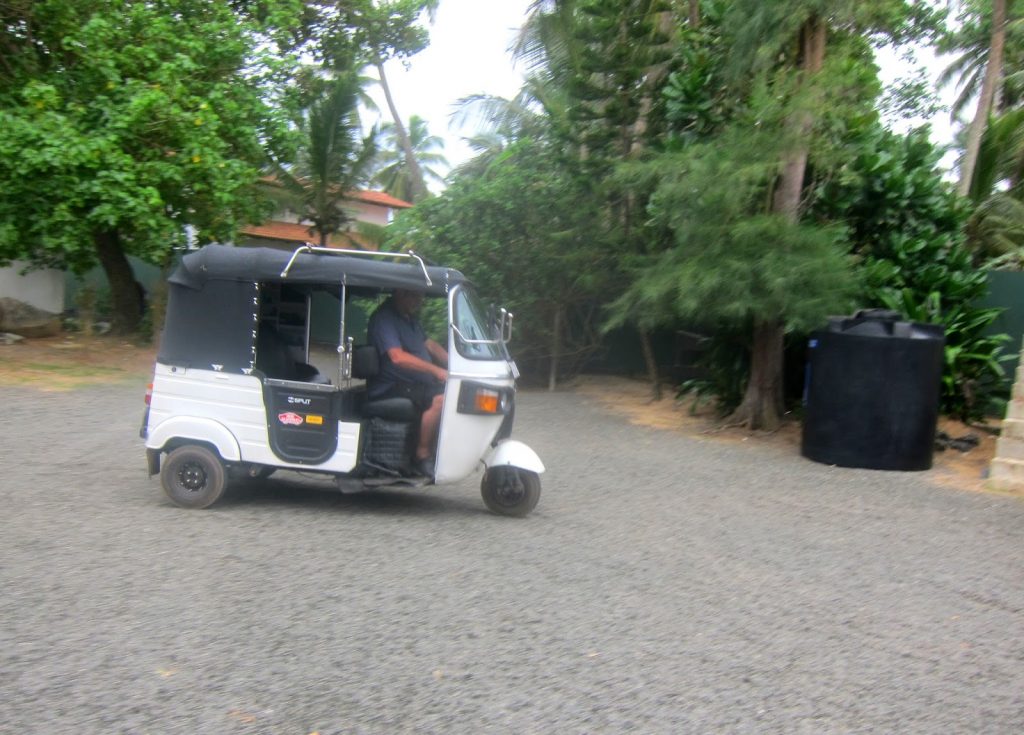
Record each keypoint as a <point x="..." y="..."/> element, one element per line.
<point x="484" y="400"/>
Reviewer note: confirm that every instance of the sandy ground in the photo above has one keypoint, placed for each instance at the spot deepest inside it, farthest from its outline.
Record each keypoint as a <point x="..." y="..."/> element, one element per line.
<point x="70" y="361"/>
<point x="631" y="398"/>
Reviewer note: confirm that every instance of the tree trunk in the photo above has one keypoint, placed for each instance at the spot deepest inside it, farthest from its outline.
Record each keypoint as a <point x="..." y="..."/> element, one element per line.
<point x="694" y="14"/>
<point x="762" y="407"/>
<point x="419" y="186"/>
<point x="635" y="146"/>
<point x="556" y="348"/>
<point x="158" y="301"/>
<point x="787" y="195"/>
<point x="125" y="292"/>
<point x="651" y="364"/>
<point x="989" y="85"/>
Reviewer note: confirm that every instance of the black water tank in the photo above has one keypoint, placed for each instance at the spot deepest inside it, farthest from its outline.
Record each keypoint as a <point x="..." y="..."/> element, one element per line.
<point x="872" y="392"/>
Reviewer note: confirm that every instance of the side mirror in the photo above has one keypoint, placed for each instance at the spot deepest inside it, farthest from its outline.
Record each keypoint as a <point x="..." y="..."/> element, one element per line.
<point x="506" y="337"/>
<point x="505" y="326"/>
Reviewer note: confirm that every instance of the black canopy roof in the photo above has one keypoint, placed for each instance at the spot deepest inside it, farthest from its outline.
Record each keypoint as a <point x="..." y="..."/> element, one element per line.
<point x="226" y="263"/>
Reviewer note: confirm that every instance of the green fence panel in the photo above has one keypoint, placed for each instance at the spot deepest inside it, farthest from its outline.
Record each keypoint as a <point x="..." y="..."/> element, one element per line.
<point x="1006" y="291"/>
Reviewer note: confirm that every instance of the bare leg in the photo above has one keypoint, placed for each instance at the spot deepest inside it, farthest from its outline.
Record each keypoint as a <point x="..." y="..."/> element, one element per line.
<point x="429" y="423"/>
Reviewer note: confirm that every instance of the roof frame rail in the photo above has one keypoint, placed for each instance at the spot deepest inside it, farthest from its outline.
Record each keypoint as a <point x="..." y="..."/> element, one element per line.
<point x="310" y="248"/>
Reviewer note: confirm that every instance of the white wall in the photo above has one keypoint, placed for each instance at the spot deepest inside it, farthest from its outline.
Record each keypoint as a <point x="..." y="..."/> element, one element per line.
<point x="43" y="289"/>
<point x="366" y="212"/>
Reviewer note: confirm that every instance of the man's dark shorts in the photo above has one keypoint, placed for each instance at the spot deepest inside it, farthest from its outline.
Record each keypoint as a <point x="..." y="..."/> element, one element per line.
<point x="421" y="394"/>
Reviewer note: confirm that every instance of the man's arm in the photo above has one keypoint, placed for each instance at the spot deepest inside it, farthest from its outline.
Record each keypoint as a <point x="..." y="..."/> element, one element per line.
<point x="439" y="353"/>
<point x="402" y="359"/>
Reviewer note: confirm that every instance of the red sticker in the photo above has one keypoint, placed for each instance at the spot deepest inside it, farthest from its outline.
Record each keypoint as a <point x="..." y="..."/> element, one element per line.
<point x="289" y="418"/>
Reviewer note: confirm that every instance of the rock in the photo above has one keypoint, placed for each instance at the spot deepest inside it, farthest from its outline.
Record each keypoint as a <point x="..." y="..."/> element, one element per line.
<point x="965" y="443"/>
<point x="6" y="338"/>
<point x="28" y="321"/>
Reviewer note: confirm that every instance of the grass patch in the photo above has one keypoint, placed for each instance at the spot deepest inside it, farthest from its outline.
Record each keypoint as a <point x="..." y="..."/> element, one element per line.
<point x="71" y="371"/>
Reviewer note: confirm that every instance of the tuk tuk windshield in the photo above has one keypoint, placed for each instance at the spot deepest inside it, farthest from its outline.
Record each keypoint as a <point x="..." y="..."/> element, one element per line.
<point x="476" y="334"/>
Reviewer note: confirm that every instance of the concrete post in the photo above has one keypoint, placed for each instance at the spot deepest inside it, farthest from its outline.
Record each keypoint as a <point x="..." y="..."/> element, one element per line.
<point x="1007" y="470"/>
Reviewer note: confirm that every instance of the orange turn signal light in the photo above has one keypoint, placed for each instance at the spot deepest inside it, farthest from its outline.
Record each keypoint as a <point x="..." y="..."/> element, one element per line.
<point x="487" y="401"/>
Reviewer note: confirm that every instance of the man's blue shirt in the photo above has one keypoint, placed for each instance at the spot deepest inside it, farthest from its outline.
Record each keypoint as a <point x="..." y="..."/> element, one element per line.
<point x="388" y="329"/>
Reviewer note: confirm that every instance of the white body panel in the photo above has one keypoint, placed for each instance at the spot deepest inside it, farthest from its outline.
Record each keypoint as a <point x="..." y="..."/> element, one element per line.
<point x="211" y="406"/>
<point x="465" y="438"/>
<point x="198" y="429"/>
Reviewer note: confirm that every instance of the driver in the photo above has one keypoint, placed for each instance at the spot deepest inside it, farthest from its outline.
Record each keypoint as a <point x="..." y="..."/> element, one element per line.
<point x="411" y="366"/>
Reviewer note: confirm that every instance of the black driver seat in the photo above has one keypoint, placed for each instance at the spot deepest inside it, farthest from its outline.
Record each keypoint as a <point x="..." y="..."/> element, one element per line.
<point x="366" y="366"/>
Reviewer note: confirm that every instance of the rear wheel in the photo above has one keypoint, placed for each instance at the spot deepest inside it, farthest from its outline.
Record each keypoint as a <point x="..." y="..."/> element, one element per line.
<point x="510" y="491"/>
<point x="193" y="477"/>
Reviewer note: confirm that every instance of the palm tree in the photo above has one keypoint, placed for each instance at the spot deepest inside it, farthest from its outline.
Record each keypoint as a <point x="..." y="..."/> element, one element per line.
<point x="991" y="67"/>
<point x="996" y="228"/>
<point x="378" y="28"/>
<point x="986" y="96"/>
<point x="971" y="42"/>
<point x="488" y="148"/>
<point x="335" y="157"/>
<point x="417" y="181"/>
<point x="394" y="170"/>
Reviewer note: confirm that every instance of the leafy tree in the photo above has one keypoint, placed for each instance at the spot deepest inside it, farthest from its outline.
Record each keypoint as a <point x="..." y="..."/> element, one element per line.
<point x="733" y="260"/>
<point x="393" y="172"/>
<point x="906" y="226"/>
<point x="783" y="47"/>
<point x="621" y="56"/>
<point x="530" y="236"/>
<point x="334" y="158"/>
<point x="124" y="121"/>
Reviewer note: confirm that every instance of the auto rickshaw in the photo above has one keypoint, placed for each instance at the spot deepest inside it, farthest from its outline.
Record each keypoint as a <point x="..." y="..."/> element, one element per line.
<point x="263" y="365"/>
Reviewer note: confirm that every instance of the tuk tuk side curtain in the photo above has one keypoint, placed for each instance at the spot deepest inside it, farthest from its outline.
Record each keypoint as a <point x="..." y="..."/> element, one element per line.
<point x="212" y="328"/>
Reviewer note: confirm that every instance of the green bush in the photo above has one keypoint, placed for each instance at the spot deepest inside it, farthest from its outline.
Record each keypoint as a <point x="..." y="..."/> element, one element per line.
<point x="906" y="226"/>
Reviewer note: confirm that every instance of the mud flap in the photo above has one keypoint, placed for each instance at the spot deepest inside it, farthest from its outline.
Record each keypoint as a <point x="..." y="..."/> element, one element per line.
<point x="153" y="461"/>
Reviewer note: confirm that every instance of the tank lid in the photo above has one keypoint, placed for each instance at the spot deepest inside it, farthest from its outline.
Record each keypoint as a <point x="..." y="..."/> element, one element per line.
<point x="883" y="323"/>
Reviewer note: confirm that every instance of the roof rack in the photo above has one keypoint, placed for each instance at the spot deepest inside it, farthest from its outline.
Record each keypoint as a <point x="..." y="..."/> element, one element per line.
<point x="309" y="248"/>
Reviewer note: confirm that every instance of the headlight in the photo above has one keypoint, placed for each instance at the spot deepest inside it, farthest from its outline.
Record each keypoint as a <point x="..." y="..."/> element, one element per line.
<point x="486" y="400"/>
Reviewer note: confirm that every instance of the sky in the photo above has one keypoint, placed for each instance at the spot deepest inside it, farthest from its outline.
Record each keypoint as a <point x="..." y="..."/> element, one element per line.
<point x="468" y="54"/>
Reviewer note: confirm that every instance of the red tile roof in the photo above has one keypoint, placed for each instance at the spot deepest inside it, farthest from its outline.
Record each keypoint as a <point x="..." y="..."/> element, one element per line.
<point x="371" y="197"/>
<point x="379" y="197"/>
<point x="291" y="232"/>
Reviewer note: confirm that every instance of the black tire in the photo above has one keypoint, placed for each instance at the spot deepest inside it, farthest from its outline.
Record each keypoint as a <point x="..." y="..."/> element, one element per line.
<point x="193" y="477"/>
<point x="510" y="491"/>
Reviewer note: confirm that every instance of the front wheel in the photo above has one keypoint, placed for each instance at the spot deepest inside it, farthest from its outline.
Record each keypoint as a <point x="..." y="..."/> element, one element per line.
<point x="510" y="491"/>
<point x="193" y="477"/>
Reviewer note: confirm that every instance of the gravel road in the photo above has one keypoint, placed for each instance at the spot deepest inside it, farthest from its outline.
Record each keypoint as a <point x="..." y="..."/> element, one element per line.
<point x="663" y="585"/>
